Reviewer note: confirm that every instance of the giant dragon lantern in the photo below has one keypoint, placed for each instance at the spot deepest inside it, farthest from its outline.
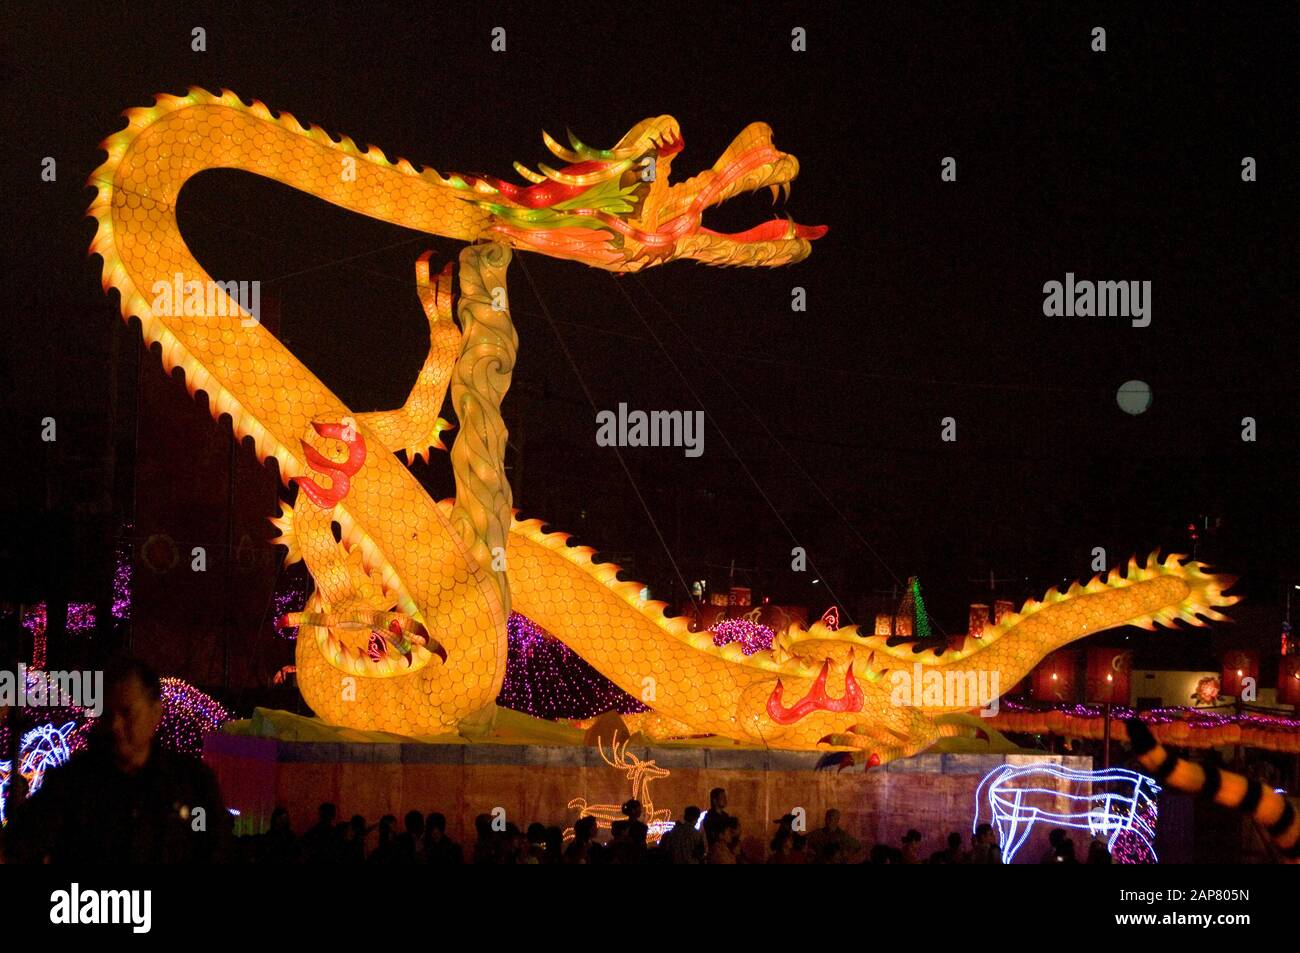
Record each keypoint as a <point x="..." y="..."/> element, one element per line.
<point x="406" y="629"/>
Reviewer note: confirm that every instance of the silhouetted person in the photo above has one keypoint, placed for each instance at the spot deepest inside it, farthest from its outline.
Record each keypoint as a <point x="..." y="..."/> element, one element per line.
<point x="684" y="842"/>
<point x="1065" y="852"/>
<point x="385" y="851"/>
<point x="912" y="847"/>
<point x="536" y="836"/>
<point x="438" y="847"/>
<point x="353" y="848"/>
<point x="517" y="848"/>
<point x="1098" y="853"/>
<point x="779" y="851"/>
<point x="629" y="843"/>
<point x="125" y="800"/>
<point x="1055" y="839"/>
<point x="406" y="845"/>
<point x="831" y="835"/>
<point x="798" y="853"/>
<point x="715" y="820"/>
<point x="726" y="849"/>
<point x="554" y="853"/>
<point x="583" y="849"/>
<point x="320" y="845"/>
<point x="278" y="845"/>
<point x="952" y="854"/>
<point x="986" y="849"/>
<point x="884" y="854"/>
<point x="487" y="842"/>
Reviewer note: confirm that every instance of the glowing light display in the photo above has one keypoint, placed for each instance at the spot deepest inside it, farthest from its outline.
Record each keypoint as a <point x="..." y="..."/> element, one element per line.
<point x="447" y="575"/>
<point x="188" y="714"/>
<point x="640" y="774"/>
<point x="42" y="748"/>
<point x="546" y="678"/>
<point x="81" y="615"/>
<point x="1021" y="796"/>
<point x="1185" y="727"/>
<point x="752" y="636"/>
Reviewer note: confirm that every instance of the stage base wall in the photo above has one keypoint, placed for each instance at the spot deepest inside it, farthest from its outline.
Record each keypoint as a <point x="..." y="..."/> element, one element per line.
<point x="933" y="793"/>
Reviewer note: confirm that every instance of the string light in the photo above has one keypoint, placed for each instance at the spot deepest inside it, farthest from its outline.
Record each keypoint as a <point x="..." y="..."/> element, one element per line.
<point x="1128" y="846"/>
<point x="547" y="679"/>
<point x="1014" y="811"/>
<point x="752" y="636"/>
<point x="1193" y="717"/>
<point x="640" y="774"/>
<point x="922" y="623"/>
<point x="81" y="615"/>
<point x="42" y="748"/>
<point x="290" y="598"/>
<point x="1184" y="727"/>
<point x="187" y="715"/>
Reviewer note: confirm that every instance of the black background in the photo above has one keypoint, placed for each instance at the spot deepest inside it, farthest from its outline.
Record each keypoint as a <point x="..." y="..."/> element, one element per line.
<point x="924" y="300"/>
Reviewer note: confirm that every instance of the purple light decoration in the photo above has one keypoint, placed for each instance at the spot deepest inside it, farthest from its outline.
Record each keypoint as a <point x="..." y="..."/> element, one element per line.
<point x="1194" y="718"/>
<point x="81" y="615"/>
<point x="81" y="619"/>
<point x="1128" y="847"/>
<point x="122" y="580"/>
<point x="187" y="714"/>
<point x="752" y="636"/>
<point x="290" y="596"/>
<point x="547" y="679"/>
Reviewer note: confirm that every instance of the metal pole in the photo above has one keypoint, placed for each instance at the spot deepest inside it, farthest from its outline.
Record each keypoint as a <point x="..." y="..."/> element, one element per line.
<point x="1105" y="760"/>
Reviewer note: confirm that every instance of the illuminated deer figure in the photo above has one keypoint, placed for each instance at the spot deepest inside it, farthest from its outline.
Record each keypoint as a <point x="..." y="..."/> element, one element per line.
<point x="1020" y="796"/>
<point x="640" y="773"/>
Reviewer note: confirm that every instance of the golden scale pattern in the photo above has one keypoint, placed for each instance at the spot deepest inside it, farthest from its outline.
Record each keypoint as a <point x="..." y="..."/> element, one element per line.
<point x="403" y="556"/>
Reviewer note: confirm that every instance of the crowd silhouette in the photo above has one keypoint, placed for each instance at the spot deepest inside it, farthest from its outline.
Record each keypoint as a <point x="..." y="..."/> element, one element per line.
<point x="697" y="837"/>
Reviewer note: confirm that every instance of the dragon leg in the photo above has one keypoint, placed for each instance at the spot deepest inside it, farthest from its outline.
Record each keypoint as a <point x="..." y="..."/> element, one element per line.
<point x="416" y="427"/>
<point x="354" y="623"/>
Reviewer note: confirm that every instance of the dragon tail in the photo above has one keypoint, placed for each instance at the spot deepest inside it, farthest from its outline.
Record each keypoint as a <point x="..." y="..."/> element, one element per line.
<point x="1247" y="795"/>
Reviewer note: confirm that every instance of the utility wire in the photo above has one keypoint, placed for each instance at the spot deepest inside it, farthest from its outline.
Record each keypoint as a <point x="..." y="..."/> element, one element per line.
<point x="771" y="436"/>
<point x="592" y="401"/>
<point x="745" y="467"/>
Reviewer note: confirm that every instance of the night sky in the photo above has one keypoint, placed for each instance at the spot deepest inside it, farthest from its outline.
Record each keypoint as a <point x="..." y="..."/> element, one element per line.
<point x="924" y="300"/>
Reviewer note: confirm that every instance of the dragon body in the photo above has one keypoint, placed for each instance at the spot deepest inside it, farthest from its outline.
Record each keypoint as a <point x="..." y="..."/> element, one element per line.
<point x="406" y="629"/>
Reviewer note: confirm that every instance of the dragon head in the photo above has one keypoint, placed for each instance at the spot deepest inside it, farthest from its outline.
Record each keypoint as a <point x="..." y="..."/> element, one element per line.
<point x="615" y="208"/>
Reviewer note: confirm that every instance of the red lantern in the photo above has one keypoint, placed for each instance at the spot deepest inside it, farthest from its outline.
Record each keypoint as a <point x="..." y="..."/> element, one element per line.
<point x="1288" y="680"/>
<point x="1239" y="665"/>
<point x="1056" y="679"/>
<point x="1108" y="676"/>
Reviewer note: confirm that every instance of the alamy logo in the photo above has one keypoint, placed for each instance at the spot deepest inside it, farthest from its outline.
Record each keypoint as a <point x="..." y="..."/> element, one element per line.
<point x="73" y="906"/>
<point x="656" y="428"/>
<point x="1099" y="299"/>
<point x="200" y="299"/>
<point x="934" y="688"/>
<point x="33" y="688"/>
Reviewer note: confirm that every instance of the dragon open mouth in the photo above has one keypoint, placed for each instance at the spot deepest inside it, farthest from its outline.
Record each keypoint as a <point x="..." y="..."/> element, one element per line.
<point x="615" y="209"/>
